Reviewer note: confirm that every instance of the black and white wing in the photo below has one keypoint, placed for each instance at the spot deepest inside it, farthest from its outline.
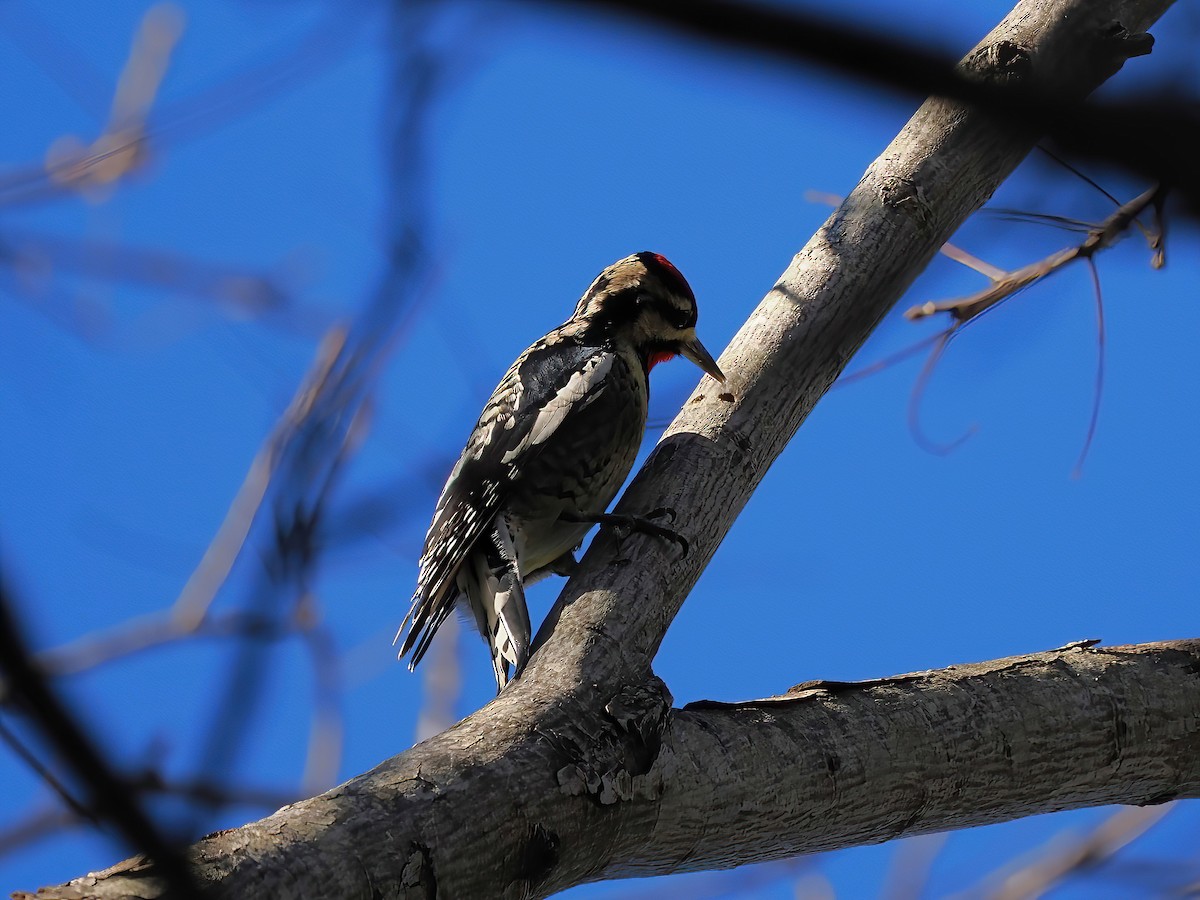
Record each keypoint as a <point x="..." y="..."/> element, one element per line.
<point x="547" y="384"/>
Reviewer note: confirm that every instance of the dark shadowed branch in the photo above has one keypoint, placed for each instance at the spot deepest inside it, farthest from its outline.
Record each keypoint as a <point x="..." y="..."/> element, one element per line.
<point x="290" y="482"/>
<point x="108" y="794"/>
<point x="1155" y="134"/>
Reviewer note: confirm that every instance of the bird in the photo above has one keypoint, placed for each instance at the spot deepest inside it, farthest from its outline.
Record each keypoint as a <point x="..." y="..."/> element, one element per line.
<point x="553" y="445"/>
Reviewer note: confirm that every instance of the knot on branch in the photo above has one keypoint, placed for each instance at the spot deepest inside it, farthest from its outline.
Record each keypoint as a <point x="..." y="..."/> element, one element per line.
<point x="906" y="195"/>
<point x="1000" y="63"/>
<point x="617" y="767"/>
<point x="536" y="859"/>
<point x="641" y="714"/>
<point x="417" y="881"/>
<point x="1126" y="44"/>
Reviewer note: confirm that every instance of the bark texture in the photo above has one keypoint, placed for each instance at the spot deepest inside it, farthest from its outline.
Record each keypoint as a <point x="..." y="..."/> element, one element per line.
<point x="527" y="808"/>
<point x="581" y="770"/>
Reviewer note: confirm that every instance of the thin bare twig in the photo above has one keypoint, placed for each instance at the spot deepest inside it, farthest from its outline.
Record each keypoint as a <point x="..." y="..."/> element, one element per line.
<point x="967" y="309"/>
<point x="327" y="731"/>
<point x="1063" y="223"/>
<point x="148" y="633"/>
<point x="244" y="294"/>
<point x="302" y="461"/>
<point x="1102" y="236"/>
<point x="212" y="794"/>
<point x="962" y="257"/>
<point x="441" y="683"/>
<point x="121" y="147"/>
<point x="214" y="568"/>
<point x="951" y="251"/>
<point x="1074" y="170"/>
<point x="1070" y="856"/>
<point x="36" y="826"/>
<point x="47" y="820"/>
<point x="109" y="793"/>
<point x="43" y="772"/>
<point x="1098" y="389"/>
<point x="912" y="863"/>
<point x="1157" y="238"/>
<point x="888" y="361"/>
<point x="918" y="393"/>
<point x="244" y="90"/>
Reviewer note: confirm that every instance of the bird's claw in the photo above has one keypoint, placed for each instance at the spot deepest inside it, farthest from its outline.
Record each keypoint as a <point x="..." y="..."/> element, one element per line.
<point x="644" y="525"/>
<point x="624" y="524"/>
<point x="664" y="512"/>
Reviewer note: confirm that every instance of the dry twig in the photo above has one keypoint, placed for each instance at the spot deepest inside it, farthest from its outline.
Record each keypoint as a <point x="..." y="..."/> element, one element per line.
<point x="1004" y="285"/>
<point x="1066" y="856"/>
<point x="1102" y="236"/>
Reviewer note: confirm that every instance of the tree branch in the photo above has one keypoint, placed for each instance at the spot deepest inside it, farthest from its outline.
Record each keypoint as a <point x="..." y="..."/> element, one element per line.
<point x="822" y="768"/>
<point x="109" y="794"/>
<point x="944" y="164"/>
<point x="580" y="770"/>
<point x="497" y="807"/>
<point x="1154" y="134"/>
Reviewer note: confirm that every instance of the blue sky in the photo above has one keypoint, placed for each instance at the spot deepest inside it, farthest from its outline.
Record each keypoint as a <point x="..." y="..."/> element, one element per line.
<point x="560" y="145"/>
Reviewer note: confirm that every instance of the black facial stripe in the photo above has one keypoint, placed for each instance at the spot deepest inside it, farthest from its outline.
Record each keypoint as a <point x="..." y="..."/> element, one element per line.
<point x="682" y="318"/>
<point x="619" y="306"/>
<point x="631" y="303"/>
<point x="671" y="312"/>
<point x="660" y="347"/>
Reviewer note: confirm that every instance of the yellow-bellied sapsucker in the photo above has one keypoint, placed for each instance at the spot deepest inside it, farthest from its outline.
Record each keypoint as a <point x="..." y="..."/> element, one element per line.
<point x="551" y="448"/>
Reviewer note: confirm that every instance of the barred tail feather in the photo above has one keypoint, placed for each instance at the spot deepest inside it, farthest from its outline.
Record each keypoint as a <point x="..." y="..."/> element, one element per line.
<point x="491" y="586"/>
<point x="497" y="602"/>
<point x="499" y="668"/>
<point x="422" y="645"/>
<point x="424" y="618"/>
<point x="409" y="617"/>
<point x="512" y="621"/>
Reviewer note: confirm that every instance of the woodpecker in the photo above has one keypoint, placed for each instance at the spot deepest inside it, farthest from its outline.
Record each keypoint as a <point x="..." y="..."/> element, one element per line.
<point x="553" y="444"/>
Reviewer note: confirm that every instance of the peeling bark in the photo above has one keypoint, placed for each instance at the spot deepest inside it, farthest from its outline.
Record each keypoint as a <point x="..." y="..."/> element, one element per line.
<point x="581" y="770"/>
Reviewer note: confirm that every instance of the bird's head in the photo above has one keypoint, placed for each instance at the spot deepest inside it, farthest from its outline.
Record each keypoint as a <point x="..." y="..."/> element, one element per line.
<point x="644" y="300"/>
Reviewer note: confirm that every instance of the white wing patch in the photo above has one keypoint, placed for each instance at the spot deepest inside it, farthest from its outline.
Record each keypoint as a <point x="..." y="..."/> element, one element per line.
<point x="568" y="398"/>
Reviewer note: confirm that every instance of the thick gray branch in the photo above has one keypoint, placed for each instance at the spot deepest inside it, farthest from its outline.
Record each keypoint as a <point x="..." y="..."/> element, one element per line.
<point x="943" y="165"/>
<point x="828" y="767"/>
<point x="580" y="770"/>
<point x="501" y="807"/>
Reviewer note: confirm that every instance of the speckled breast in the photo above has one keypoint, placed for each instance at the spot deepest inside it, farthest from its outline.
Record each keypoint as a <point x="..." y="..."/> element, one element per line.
<point x="581" y="468"/>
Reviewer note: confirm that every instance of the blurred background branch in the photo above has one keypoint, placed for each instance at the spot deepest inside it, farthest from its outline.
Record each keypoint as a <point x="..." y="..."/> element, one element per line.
<point x="487" y="217"/>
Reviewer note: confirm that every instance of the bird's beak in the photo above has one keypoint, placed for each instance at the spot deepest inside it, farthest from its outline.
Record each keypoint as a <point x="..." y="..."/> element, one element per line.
<point x="694" y="350"/>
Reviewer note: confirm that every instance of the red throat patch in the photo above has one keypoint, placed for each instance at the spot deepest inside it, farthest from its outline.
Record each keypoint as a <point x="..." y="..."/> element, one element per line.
<point x="659" y="357"/>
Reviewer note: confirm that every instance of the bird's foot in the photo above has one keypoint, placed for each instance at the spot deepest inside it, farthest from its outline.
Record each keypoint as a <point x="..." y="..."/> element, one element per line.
<point x="625" y="524"/>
